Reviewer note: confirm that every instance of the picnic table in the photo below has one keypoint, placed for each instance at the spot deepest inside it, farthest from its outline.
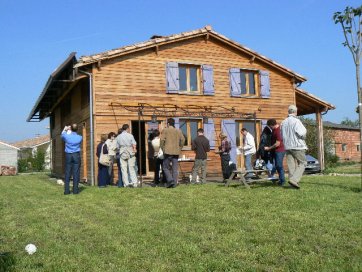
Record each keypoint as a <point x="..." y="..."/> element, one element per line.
<point x="240" y="175"/>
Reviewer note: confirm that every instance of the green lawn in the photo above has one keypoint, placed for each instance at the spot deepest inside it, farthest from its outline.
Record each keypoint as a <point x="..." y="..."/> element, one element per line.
<point x="345" y="168"/>
<point x="190" y="228"/>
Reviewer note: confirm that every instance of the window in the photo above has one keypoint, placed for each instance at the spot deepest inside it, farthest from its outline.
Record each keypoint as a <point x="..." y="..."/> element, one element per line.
<point x="246" y="82"/>
<point x="247" y="79"/>
<point x="189" y="78"/>
<point x="358" y="148"/>
<point x="189" y="129"/>
<point x="344" y="147"/>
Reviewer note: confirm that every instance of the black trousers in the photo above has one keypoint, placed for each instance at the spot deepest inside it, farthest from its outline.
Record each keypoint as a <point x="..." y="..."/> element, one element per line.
<point x="225" y="158"/>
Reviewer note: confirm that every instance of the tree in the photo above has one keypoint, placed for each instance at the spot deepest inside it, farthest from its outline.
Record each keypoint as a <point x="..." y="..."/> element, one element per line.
<point x="348" y="122"/>
<point x="311" y="141"/>
<point x="351" y="22"/>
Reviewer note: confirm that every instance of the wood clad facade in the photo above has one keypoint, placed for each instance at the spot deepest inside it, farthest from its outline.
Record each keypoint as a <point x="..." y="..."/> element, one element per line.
<point x="224" y="73"/>
<point x="141" y="78"/>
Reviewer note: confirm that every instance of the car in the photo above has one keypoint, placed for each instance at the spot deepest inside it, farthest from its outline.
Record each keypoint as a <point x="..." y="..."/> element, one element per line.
<point x="313" y="165"/>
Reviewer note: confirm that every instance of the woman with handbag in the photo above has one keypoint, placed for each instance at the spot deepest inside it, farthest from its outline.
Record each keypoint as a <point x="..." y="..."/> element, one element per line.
<point x="158" y="157"/>
<point x="102" y="154"/>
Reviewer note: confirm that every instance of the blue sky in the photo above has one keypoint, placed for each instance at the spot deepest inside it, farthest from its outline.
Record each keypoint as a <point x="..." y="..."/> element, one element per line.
<point x="37" y="36"/>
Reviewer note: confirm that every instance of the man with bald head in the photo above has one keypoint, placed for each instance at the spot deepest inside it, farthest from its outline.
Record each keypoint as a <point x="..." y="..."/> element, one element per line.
<point x="294" y="133"/>
<point x="72" y="157"/>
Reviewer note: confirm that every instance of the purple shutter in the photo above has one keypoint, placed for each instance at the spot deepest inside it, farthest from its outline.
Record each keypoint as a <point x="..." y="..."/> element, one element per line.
<point x="208" y="79"/>
<point x="172" y="76"/>
<point x="235" y="87"/>
<point x="263" y="124"/>
<point x="209" y="129"/>
<point x="228" y="128"/>
<point x="177" y="122"/>
<point x="264" y="84"/>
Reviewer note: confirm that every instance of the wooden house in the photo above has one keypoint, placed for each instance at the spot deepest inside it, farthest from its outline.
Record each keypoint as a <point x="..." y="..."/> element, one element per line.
<point x="201" y="78"/>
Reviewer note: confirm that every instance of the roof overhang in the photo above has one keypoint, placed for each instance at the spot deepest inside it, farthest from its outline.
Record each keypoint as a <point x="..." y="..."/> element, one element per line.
<point x="308" y="103"/>
<point x="58" y="82"/>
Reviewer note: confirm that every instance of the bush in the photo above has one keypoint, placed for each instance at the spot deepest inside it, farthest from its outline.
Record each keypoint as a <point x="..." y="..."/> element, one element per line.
<point x="22" y="165"/>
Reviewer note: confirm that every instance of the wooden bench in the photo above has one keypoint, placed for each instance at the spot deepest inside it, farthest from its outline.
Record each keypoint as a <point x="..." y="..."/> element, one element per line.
<point x="258" y="175"/>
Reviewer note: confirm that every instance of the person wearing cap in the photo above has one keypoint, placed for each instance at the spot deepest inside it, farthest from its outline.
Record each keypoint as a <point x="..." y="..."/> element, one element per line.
<point x="224" y="151"/>
<point x="294" y="134"/>
<point x="171" y="142"/>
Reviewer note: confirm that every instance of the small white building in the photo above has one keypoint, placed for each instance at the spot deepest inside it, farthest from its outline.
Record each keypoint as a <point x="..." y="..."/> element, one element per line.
<point x="8" y="155"/>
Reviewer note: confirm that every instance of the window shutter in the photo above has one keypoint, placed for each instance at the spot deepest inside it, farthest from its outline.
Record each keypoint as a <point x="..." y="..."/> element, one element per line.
<point x="172" y="76"/>
<point x="264" y="84"/>
<point x="228" y="128"/>
<point x="177" y="122"/>
<point x="235" y="81"/>
<point x="209" y="129"/>
<point x="208" y="79"/>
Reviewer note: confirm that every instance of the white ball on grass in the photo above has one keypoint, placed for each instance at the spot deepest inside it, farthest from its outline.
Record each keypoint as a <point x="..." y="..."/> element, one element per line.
<point x="30" y="248"/>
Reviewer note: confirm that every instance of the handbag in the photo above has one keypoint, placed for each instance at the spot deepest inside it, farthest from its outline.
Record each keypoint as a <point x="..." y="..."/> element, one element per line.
<point x="104" y="158"/>
<point x="160" y="154"/>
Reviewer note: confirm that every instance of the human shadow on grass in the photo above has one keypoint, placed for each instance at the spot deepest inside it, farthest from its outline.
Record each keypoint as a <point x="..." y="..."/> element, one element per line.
<point x="344" y="187"/>
<point x="7" y="261"/>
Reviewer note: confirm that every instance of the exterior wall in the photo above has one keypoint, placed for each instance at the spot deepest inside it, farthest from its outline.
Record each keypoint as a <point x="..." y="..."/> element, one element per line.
<point x="141" y="77"/>
<point x="79" y="115"/>
<point x="351" y="138"/>
<point x="8" y="156"/>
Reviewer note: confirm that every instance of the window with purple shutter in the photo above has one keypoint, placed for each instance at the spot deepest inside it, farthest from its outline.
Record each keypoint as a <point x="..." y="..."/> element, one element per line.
<point x="235" y="82"/>
<point x="264" y="84"/>
<point x="172" y="76"/>
<point x="208" y="79"/>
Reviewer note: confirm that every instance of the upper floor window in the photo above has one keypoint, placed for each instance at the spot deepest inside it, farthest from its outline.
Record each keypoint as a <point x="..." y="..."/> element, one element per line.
<point x="249" y="83"/>
<point x="358" y="148"/>
<point x="189" y="78"/>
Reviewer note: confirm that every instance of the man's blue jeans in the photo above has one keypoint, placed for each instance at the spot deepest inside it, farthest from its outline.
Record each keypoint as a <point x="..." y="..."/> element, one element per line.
<point x="72" y="167"/>
<point x="278" y="166"/>
<point x="248" y="165"/>
<point x="170" y="168"/>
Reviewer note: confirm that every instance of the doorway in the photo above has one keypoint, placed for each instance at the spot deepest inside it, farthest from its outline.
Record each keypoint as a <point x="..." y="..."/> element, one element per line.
<point x="144" y="144"/>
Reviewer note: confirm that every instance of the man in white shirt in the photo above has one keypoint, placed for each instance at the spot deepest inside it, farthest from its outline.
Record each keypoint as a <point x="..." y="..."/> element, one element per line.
<point x="294" y="133"/>
<point x="248" y="149"/>
<point x="127" y="150"/>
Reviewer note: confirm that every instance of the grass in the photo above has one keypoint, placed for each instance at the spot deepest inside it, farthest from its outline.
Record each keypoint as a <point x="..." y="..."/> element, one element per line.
<point x="190" y="228"/>
<point x="345" y="168"/>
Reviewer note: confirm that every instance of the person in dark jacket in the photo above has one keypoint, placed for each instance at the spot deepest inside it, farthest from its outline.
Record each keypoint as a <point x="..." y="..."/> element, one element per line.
<point x="201" y="146"/>
<point x="103" y="175"/>
<point x="265" y="140"/>
<point x="224" y="151"/>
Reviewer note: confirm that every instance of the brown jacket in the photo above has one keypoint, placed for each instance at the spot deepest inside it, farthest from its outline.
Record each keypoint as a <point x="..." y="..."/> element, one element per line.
<point x="171" y="141"/>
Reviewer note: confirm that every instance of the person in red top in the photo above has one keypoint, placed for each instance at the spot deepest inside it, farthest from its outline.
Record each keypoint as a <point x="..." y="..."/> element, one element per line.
<point x="277" y="150"/>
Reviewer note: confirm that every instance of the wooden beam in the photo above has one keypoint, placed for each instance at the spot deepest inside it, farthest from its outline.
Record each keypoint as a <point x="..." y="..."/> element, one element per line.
<point x="320" y="140"/>
<point x="99" y="64"/>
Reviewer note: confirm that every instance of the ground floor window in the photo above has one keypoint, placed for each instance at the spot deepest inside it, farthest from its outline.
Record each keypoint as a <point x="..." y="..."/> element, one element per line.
<point x="189" y="129"/>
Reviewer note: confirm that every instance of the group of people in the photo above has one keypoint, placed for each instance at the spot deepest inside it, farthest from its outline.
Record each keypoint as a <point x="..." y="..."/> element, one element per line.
<point x="276" y="141"/>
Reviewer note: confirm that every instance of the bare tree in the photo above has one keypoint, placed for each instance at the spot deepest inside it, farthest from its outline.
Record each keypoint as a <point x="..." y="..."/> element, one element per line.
<point x="351" y="22"/>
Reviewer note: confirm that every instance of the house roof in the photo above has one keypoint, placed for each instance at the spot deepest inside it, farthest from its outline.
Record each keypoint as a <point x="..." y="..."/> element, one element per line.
<point x="9" y="145"/>
<point x="52" y="90"/>
<point x="307" y="103"/>
<point x="339" y="126"/>
<point x="162" y="40"/>
<point x="33" y="142"/>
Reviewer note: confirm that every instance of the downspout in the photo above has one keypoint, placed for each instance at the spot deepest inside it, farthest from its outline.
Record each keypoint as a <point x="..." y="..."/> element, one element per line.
<point x="90" y="75"/>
